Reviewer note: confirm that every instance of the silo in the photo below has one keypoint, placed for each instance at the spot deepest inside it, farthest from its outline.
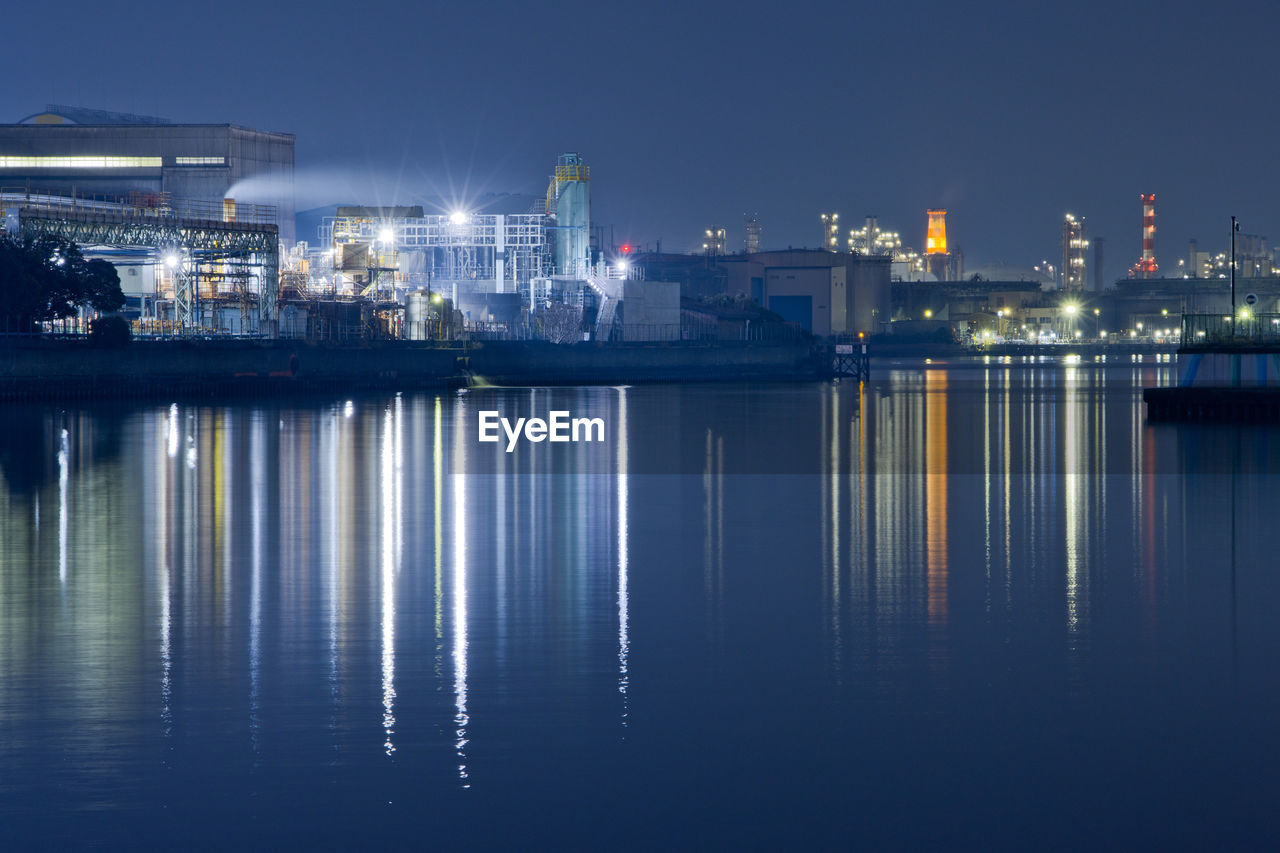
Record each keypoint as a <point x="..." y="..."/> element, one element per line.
<point x="415" y="315"/>
<point x="569" y="201"/>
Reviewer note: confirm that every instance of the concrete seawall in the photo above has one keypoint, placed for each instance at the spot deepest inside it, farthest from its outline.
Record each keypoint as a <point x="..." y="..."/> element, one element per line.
<point x="57" y="369"/>
<point x="534" y="363"/>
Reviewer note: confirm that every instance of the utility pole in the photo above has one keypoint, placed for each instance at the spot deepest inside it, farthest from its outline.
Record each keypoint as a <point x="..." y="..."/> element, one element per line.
<point x="1235" y="226"/>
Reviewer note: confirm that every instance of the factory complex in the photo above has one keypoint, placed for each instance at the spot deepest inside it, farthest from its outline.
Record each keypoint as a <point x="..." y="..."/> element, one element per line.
<point x="158" y="200"/>
<point x="199" y="221"/>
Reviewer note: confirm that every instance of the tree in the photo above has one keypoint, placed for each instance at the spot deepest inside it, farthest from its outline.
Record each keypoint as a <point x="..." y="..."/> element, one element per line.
<point x="559" y="323"/>
<point x="46" y="278"/>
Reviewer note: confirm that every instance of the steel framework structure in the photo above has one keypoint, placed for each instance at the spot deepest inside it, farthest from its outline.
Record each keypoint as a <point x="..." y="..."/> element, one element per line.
<point x="457" y="247"/>
<point x="241" y="236"/>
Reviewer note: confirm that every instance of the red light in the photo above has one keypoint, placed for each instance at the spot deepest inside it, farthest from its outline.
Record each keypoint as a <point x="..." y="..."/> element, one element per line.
<point x="626" y="248"/>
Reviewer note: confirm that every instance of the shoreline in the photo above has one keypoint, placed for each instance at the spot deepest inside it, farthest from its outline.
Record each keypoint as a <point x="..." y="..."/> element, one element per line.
<point x="45" y="370"/>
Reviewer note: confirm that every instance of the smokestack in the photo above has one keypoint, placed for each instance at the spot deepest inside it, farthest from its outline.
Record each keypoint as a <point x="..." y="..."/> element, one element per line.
<point x="935" y="241"/>
<point x="1148" y="267"/>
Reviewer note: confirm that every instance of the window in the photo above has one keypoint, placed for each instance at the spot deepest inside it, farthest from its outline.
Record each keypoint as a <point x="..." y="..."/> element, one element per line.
<point x="200" y="161"/>
<point x="78" y="162"/>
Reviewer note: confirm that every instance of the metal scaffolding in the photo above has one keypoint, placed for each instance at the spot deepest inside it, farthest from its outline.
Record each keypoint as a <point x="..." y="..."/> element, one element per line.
<point x="203" y="234"/>
<point x="506" y="249"/>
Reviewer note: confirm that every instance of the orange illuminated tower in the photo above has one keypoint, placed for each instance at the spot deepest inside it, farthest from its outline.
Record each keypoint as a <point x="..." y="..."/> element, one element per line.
<point x="937" y="259"/>
<point x="936" y="241"/>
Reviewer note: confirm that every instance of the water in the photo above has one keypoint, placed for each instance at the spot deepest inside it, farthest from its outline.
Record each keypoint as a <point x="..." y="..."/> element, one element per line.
<point x="975" y="605"/>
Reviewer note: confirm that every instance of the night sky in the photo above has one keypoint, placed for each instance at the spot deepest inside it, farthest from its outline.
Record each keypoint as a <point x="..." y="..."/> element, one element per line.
<point x="692" y="113"/>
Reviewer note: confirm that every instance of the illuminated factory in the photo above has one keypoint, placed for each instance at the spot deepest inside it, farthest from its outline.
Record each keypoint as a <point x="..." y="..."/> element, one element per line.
<point x="497" y="271"/>
<point x="936" y="263"/>
<point x="831" y="232"/>
<point x="159" y="200"/>
<point x="98" y="154"/>
<point x="871" y="240"/>
<point x="715" y="241"/>
<point x="1074" y="248"/>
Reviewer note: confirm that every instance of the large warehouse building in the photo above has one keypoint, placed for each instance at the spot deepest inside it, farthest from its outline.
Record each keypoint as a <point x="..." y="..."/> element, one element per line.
<point x="66" y="150"/>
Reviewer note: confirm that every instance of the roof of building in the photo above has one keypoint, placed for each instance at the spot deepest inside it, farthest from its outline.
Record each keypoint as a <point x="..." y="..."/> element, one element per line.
<point x="57" y="115"/>
<point x="62" y="114"/>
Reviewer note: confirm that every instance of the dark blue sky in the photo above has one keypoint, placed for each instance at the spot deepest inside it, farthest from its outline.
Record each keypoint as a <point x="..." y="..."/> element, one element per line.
<point x="1008" y="114"/>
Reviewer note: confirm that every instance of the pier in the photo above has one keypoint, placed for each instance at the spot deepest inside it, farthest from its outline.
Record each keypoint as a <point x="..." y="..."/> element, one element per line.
<point x="1228" y="370"/>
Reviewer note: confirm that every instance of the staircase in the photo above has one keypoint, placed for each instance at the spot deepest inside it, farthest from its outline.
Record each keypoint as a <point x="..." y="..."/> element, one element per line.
<point x="607" y="311"/>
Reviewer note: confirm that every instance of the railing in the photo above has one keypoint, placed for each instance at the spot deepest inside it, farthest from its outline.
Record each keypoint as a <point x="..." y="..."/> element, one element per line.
<point x="573" y="172"/>
<point x="134" y="206"/>
<point x="1243" y="330"/>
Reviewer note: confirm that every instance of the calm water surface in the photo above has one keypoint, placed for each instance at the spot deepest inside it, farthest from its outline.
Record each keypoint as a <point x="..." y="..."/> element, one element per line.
<point x="975" y="606"/>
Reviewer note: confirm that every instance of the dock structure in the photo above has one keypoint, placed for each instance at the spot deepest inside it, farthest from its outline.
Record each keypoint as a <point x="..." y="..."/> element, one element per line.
<point x="850" y="360"/>
<point x="1228" y="370"/>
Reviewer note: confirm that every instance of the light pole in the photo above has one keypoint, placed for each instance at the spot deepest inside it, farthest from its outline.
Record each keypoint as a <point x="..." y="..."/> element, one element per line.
<point x="1235" y="226"/>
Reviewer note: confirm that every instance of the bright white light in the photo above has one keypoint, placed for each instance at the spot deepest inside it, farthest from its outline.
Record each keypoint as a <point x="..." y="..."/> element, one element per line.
<point x="386" y="235"/>
<point x="457" y="217"/>
<point x="1070" y="309"/>
<point x="172" y="260"/>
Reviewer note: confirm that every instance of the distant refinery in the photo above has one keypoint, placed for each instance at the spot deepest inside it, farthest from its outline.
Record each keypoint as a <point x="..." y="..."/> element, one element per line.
<point x="715" y="241"/>
<point x="192" y="258"/>
<point x="831" y="232"/>
<point x="1078" y="267"/>
<point x="1075" y="247"/>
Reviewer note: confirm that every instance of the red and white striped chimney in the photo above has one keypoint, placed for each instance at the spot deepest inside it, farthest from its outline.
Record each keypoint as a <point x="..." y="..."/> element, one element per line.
<point x="1148" y="266"/>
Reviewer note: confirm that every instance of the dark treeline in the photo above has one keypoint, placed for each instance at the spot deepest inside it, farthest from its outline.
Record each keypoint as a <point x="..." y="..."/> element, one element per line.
<point x="46" y="278"/>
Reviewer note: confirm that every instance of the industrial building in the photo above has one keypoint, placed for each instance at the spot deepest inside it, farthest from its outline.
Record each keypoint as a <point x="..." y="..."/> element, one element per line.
<point x="938" y="262"/>
<point x="158" y="200"/>
<point x="715" y="241"/>
<point x="831" y="232"/>
<point x="751" y="230"/>
<point x="823" y="292"/>
<point x="67" y="151"/>
<point x="1075" y="246"/>
<point x="501" y="273"/>
<point x="1159" y="302"/>
<point x="871" y="239"/>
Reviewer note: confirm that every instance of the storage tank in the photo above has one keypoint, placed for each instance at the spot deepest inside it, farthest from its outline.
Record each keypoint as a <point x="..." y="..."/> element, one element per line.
<point x="569" y="202"/>
<point x="416" y="313"/>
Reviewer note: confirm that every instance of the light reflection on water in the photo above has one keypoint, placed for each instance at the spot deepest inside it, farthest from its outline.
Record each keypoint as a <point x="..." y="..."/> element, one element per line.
<point x="959" y="591"/>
